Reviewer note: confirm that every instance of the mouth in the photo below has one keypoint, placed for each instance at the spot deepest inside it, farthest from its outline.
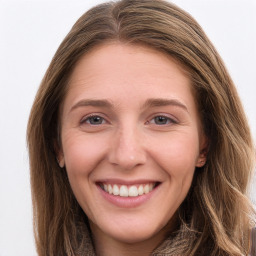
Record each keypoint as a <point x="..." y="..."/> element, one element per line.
<point x="133" y="190"/>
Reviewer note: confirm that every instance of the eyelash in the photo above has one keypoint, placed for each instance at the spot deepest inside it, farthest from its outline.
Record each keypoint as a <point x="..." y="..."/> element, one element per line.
<point x="90" y="117"/>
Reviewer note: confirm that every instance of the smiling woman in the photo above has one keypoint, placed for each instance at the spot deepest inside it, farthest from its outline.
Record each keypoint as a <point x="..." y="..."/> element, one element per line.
<point x="113" y="146"/>
<point x="154" y="154"/>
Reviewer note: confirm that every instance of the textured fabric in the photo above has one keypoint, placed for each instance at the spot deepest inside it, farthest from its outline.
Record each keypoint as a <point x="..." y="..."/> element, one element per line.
<point x="164" y="249"/>
<point x="253" y="242"/>
<point x="88" y="249"/>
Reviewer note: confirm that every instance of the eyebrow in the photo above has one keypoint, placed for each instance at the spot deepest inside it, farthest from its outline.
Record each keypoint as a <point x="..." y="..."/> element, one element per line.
<point x="154" y="102"/>
<point x="91" y="102"/>
<point x="164" y="102"/>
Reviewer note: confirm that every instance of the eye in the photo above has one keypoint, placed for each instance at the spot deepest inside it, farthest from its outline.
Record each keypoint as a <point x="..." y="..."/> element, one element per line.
<point x="94" y="120"/>
<point x="162" y="120"/>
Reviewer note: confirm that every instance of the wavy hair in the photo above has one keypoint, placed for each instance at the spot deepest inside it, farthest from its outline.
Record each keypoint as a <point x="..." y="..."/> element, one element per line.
<point x="216" y="216"/>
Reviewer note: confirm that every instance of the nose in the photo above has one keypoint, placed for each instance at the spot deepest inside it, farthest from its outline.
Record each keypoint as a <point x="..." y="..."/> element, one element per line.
<point x="127" y="149"/>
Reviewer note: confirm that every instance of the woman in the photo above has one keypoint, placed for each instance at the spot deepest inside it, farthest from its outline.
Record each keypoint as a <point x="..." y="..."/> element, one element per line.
<point x="138" y="141"/>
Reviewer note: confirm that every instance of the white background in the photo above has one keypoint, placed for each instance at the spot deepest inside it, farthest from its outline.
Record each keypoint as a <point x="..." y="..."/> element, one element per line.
<point x="30" y="32"/>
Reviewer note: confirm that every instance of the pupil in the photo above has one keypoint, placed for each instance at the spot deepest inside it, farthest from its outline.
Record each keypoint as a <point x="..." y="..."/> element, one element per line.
<point x="96" y="120"/>
<point x="160" y="120"/>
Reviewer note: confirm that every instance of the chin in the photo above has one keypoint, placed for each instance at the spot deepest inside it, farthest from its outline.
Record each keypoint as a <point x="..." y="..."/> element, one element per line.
<point x="131" y="232"/>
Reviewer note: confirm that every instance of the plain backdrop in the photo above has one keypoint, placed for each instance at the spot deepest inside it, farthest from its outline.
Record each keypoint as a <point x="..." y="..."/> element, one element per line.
<point x="30" y="32"/>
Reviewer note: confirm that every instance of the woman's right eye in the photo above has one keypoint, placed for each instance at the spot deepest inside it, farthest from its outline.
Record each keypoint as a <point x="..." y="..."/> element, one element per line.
<point x="93" y="120"/>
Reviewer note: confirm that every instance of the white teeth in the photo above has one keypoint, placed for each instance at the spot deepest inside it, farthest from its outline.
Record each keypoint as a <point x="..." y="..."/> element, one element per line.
<point x="141" y="190"/>
<point x="110" y="189"/>
<point x="115" y="190"/>
<point x="133" y="191"/>
<point x="125" y="191"/>
<point x="146" y="189"/>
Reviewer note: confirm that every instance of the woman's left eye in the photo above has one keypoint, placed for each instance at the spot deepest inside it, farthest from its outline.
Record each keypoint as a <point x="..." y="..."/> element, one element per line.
<point x="94" y="120"/>
<point x="161" y="120"/>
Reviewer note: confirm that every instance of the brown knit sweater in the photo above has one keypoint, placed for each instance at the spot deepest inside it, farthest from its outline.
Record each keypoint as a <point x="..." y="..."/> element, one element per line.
<point x="164" y="249"/>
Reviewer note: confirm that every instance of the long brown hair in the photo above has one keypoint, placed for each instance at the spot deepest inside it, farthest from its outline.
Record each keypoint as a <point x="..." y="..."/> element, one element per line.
<point x="216" y="216"/>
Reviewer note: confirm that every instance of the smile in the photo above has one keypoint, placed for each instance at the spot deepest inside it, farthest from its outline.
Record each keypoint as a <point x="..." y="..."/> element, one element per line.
<point x="128" y="190"/>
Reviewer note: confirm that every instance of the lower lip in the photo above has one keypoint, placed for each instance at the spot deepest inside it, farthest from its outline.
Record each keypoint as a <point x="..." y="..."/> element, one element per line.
<point x="128" y="202"/>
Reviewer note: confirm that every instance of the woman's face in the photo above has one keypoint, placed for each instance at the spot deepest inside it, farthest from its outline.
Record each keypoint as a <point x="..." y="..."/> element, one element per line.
<point x="131" y="139"/>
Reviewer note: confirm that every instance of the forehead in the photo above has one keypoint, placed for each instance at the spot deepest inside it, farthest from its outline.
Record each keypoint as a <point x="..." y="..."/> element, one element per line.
<point x="131" y="56"/>
<point x="117" y="70"/>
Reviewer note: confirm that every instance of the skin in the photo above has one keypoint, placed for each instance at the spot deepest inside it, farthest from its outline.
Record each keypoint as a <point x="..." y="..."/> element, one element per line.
<point x="129" y="88"/>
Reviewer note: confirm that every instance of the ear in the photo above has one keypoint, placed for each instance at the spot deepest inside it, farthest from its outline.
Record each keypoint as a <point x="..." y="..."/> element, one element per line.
<point x="61" y="160"/>
<point x="204" y="143"/>
<point x="59" y="155"/>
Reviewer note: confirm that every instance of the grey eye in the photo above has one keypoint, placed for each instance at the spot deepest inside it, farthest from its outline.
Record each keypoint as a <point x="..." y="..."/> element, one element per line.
<point x="95" y="120"/>
<point x="161" y="120"/>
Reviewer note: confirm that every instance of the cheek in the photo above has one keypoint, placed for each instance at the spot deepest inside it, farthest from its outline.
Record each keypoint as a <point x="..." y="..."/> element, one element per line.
<point x="178" y="155"/>
<point x="82" y="153"/>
